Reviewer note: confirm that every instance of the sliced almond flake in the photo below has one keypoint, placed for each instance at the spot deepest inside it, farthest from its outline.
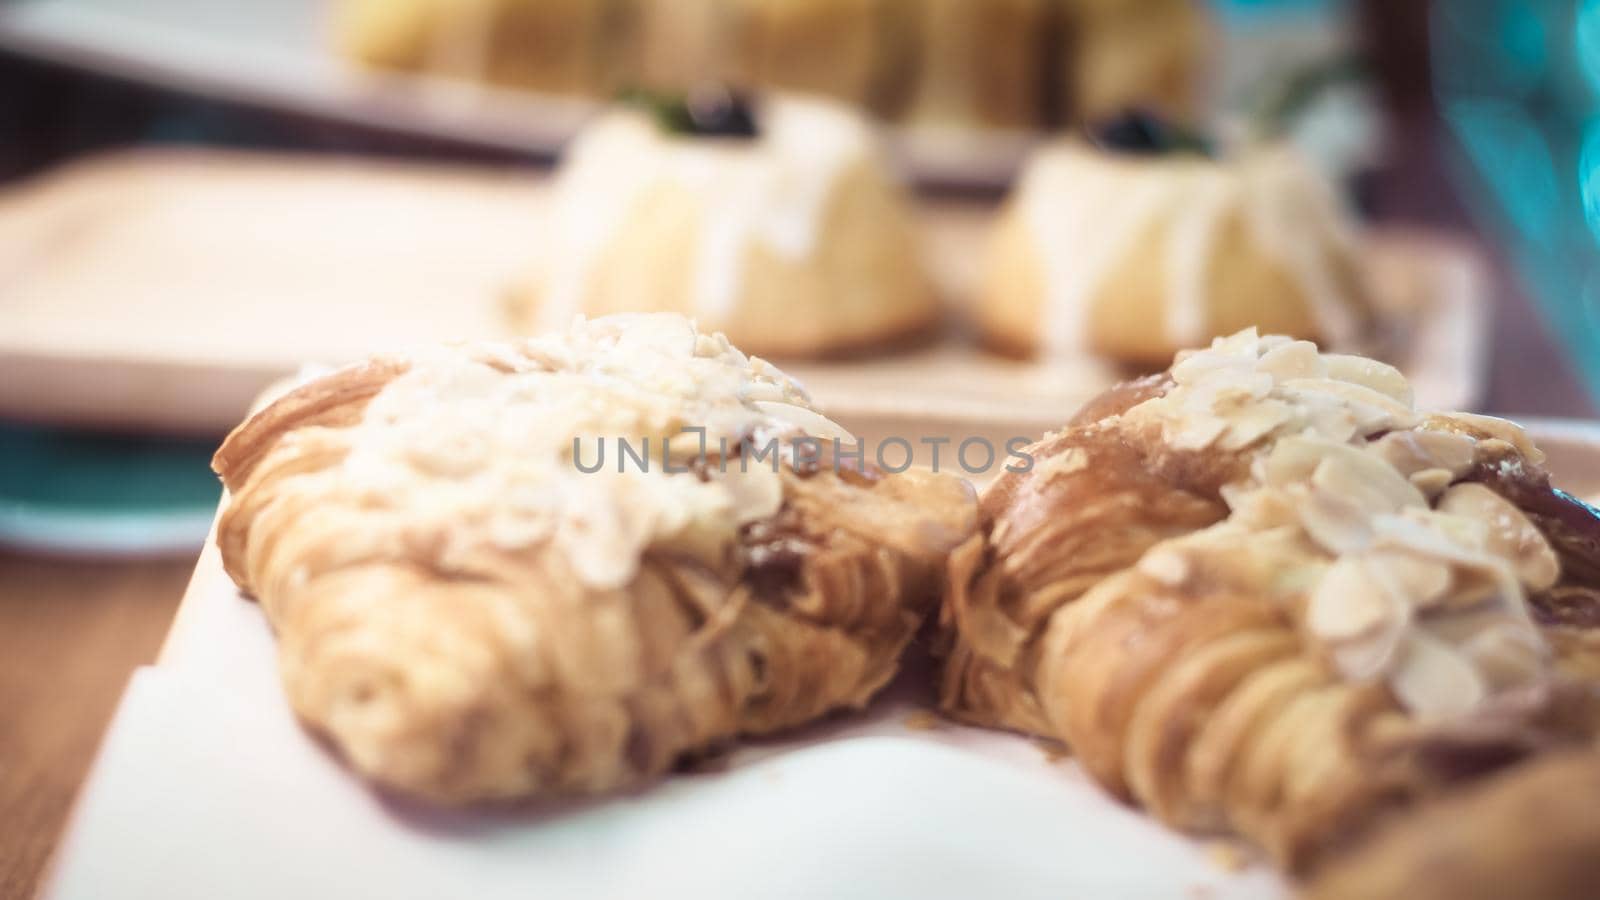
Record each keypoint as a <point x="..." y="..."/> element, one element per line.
<point x="1329" y="418"/>
<point x="1373" y="411"/>
<point x="1195" y="432"/>
<point x="1295" y="359"/>
<point x="1372" y="655"/>
<point x="1350" y="603"/>
<point x="1254" y="422"/>
<point x="1432" y="482"/>
<point x="1246" y="342"/>
<point x="1418" y="579"/>
<point x="1510" y="534"/>
<point x="1366" y="481"/>
<point x="1434" y="679"/>
<point x="1266" y="343"/>
<point x="1205" y="365"/>
<point x="1337" y="524"/>
<point x="1455" y="539"/>
<point x="1446" y="449"/>
<point x="1292" y="460"/>
<point x="764" y="390"/>
<point x="1415" y="450"/>
<point x="1260" y="508"/>
<point x="1504" y="430"/>
<point x="1370" y="373"/>
<point x="809" y="421"/>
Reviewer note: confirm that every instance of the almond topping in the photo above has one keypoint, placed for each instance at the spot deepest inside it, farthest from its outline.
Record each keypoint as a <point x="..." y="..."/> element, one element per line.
<point x="1381" y="377"/>
<point x="1296" y="359"/>
<point x="1432" y="482"/>
<point x="1349" y="602"/>
<point x="1434" y="679"/>
<point x="1419" y="580"/>
<point x="1373" y="410"/>
<point x="1338" y="524"/>
<point x="1501" y="429"/>
<point x="1510" y="534"/>
<point x="1405" y="572"/>
<point x="1366" y="481"/>
<point x="1415" y="451"/>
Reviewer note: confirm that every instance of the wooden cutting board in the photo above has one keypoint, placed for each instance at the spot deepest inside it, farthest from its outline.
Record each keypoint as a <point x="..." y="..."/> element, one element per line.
<point x="165" y="289"/>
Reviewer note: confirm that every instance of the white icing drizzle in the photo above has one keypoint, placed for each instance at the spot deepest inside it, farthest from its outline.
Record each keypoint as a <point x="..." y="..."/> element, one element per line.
<point x="1083" y="226"/>
<point x="1189" y="243"/>
<point x="1296" y="218"/>
<point x="771" y="192"/>
<point x="1086" y="209"/>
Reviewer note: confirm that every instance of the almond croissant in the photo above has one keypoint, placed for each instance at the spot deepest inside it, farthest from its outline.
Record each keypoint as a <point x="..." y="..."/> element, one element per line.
<point x="1261" y="594"/>
<point x="471" y="607"/>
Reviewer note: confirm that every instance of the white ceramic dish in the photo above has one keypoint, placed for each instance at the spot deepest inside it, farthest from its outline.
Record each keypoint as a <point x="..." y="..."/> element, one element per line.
<point x="205" y="787"/>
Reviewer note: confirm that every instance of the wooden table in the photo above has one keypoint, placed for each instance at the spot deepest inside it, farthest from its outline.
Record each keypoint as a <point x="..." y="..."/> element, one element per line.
<point x="70" y="634"/>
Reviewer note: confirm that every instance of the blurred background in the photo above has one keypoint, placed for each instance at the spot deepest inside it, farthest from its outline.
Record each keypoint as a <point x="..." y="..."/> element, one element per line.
<point x="131" y="339"/>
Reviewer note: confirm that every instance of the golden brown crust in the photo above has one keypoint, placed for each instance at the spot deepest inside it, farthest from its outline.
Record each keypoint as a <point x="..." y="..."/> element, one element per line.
<point x="333" y="401"/>
<point x="1055" y="525"/>
<point x="448" y="665"/>
<point x="1529" y="833"/>
<point x="1116" y="599"/>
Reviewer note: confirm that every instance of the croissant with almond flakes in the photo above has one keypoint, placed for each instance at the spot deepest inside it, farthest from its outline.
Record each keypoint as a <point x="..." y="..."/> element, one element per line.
<point x="1260" y="594"/>
<point x="470" y="606"/>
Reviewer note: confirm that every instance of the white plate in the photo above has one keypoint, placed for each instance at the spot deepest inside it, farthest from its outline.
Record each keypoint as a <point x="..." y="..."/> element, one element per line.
<point x="206" y="787"/>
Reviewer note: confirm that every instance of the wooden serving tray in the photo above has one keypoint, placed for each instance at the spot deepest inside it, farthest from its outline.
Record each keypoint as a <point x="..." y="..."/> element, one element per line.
<point x="165" y="289"/>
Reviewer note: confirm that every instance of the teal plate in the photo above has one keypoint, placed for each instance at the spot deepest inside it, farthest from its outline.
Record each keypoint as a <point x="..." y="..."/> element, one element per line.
<point x="87" y="493"/>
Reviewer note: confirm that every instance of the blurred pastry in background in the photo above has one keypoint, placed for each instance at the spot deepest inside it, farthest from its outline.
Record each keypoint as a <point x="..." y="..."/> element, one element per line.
<point x="978" y="64"/>
<point x="1120" y="54"/>
<point x="838" y="48"/>
<point x="779" y="224"/>
<point x="1140" y="242"/>
<point x="559" y="46"/>
<point x="946" y="64"/>
<point x="672" y="45"/>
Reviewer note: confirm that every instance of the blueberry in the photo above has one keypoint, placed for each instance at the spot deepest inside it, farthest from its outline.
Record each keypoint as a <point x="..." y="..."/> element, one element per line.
<point x="707" y="111"/>
<point x="1132" y="132"/>
<point x="718" y="112"/>
<point x="1142" y="132"/>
